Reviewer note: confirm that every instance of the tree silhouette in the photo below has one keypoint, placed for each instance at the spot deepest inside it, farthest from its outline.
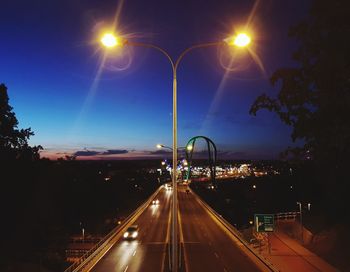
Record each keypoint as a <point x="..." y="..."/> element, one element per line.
<point x="314" y="98"/>
<point x="13" y="141"/>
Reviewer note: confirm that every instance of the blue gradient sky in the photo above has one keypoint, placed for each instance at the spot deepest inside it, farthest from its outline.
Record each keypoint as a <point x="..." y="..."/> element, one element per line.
<point x="51" y="64"/>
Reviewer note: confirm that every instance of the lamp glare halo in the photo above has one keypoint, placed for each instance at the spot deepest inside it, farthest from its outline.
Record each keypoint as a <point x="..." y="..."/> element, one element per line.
<point x="109" y="40"/>
<point x="241" y="40"/>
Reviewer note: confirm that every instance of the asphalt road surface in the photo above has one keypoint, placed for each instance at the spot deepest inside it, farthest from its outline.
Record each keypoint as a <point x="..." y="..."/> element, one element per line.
<point x="148" y="251"/>
<point x="207" y="247"/>
<point x="205" y="244"/>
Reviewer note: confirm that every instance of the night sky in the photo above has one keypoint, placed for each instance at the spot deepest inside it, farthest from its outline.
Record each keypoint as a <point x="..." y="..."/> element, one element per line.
<point x="78" y="98"/>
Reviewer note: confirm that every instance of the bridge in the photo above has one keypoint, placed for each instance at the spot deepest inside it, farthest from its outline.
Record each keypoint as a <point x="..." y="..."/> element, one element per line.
<point x="207" y="242"/>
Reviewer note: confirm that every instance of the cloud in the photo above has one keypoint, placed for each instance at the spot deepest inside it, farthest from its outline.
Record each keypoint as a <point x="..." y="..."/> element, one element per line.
<point x="62" y="153"/>
<point x="85" y="153"/>
<point x="160" y="152"/>
<point x="91" y="153"/>
<point x="114" y="152"/>
<point x="223" y="153"/>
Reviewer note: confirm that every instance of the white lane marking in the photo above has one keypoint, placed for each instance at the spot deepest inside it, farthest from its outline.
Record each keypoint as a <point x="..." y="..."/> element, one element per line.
<point x="182" y="239"/>
<point x="126" y="268"/>
<point x="134" y="253"/>
<point x="167" y="237"/>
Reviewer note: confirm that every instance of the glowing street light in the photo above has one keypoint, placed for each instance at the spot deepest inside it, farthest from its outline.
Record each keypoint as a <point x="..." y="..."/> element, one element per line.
<point x="160" y="146"/>
<point x="242" y="40"/>
<point x="239" y="40"/>
<point x="109" y="40"/>
<point x="309" y="206"/>
<point x="301" y="221"/>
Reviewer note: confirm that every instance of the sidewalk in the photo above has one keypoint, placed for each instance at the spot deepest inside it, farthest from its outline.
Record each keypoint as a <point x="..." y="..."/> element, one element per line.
<point x="288" y="255"/>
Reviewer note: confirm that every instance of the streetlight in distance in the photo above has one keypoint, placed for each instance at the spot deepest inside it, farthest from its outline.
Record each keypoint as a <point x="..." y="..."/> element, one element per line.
<point x="110" y="40"/>
<point x="189" y="147"/>
<point x="301" y="222"/>
<point x="160" y="146"/>
<point x="309" y="206"/>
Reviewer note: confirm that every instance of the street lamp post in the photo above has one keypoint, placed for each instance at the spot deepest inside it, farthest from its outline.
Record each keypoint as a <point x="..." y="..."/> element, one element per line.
<point x="301" y="222"/>
<point x="188" y="147"/>
<point x="240" y="40"/>
<point x="164" y="146"/>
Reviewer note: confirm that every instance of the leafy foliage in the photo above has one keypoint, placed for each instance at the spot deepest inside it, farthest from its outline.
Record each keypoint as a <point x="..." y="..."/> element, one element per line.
<point x="14" y="141"/>
<point x="314" y="98"/>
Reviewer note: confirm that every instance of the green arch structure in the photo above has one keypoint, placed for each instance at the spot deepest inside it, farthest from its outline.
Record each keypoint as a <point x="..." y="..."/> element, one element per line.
<point x="212" y="159"/>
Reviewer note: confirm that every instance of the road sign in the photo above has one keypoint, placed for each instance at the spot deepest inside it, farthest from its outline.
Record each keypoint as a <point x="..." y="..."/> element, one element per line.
<point x="263" y="222"/>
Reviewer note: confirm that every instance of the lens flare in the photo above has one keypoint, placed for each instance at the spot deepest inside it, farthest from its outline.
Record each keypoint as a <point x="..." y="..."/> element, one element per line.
<point x="118" y="60"/>
<point x="234" y="60"/>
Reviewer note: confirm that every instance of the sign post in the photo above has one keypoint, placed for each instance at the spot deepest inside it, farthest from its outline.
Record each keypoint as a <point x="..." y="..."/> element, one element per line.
<point x="264" y="223"/>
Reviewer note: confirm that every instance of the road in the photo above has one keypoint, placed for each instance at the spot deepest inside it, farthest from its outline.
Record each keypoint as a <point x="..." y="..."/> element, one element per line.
<point x="207" y="247"/>
<point x="148" y="251"/>
<point x="205" y="244"/>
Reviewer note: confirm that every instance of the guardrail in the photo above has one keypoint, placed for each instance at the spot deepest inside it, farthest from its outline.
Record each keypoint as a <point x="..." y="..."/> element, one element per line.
<point x="236" y="233"/>
<point x="286" y="216"/>
<point x="104" y="245"/>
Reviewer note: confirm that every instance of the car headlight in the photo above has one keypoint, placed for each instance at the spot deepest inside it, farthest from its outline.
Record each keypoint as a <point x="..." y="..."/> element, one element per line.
<point x="126" y="234"/>
<point x="134" y="235"/>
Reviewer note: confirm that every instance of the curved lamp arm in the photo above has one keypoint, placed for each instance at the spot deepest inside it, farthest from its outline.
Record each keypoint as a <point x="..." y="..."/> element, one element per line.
<point x="148" y="45"/>
<point x="202" y="45"/>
